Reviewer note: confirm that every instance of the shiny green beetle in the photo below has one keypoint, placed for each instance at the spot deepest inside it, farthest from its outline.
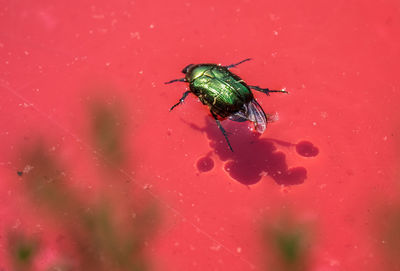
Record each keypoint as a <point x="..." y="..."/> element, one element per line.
<point x="225" y="93"/>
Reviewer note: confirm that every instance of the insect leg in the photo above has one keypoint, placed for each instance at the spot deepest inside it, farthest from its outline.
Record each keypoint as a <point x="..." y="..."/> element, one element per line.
<point x="266" y="90"/>
<point x="222" y="129"/>
<point x="181" y="99"/>
<point x="176" y="80"/>
<point x="234" y="65"/>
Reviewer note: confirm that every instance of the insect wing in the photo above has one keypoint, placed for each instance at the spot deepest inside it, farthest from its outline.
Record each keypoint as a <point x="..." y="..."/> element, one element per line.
<point x="238" y="116"/>
<point x="256" y="115"/>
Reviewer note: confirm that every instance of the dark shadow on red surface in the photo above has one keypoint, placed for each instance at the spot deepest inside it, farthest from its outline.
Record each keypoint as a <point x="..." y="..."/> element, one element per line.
<point x="306" y="149"/>
<point x="205" y="164"/>
<point x="253" y="157"/>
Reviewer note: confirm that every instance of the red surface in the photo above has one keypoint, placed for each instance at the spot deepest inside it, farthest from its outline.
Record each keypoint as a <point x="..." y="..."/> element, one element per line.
<point x="338" y="60"/>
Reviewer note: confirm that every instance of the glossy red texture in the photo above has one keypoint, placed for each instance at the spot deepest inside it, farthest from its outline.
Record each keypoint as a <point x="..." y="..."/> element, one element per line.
<point x="329" y="161"/>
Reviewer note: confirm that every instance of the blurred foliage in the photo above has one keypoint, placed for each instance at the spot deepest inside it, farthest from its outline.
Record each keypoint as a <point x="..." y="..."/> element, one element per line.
<point x="102" y="234"/>
<point x="45" y="179"/>
<point x="22" y="250"/>
<point x="288" y="244"/>
<point x="107" y="130"/>
<point x="387" y="231"/>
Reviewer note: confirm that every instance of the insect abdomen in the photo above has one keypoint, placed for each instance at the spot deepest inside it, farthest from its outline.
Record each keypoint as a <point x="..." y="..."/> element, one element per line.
<point x="223" y="93"/>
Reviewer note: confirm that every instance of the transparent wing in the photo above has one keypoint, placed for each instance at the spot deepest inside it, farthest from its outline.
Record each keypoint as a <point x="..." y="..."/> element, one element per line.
<point x="238" y="116"/>
<point x="256" y="115"/>
<point x="253" y="112"/>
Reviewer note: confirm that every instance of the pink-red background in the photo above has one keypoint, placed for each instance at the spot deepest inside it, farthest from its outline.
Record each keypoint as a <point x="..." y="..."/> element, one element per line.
<point x="338" y="59"/>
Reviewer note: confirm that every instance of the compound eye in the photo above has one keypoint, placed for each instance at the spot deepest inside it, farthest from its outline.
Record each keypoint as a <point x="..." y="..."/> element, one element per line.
<point x="186" y="69"/>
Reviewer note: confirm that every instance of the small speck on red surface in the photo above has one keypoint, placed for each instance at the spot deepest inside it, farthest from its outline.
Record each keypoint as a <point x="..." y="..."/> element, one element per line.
<point x="310" y="193"/>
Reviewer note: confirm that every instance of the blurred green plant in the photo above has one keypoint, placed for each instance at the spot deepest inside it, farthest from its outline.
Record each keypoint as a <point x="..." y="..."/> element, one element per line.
<point x="23" y="250"/>
<point x="287" y="244"/>
<point x="386" y="230"/>
<point x="102" y="234"/>
<point x="107" y="130"/>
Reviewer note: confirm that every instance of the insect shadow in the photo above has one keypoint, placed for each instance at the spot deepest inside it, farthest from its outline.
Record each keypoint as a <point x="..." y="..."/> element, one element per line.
<point x="254" y="157"/>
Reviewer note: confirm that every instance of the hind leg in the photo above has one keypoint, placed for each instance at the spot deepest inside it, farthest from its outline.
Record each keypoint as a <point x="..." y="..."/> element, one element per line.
<point x="222" y="129"/>
<point x="266" y="90"/>
<point x="234" y="65"/>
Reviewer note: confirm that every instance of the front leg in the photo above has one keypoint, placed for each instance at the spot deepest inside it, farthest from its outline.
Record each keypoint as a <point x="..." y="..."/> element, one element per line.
<point x="176" y="80"/>
<point x="181" y="99"/>
<point x="266" y="90"/>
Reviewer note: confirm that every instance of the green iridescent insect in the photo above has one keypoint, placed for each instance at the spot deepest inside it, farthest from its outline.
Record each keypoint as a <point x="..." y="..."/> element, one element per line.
<point x="225" y="93"/>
